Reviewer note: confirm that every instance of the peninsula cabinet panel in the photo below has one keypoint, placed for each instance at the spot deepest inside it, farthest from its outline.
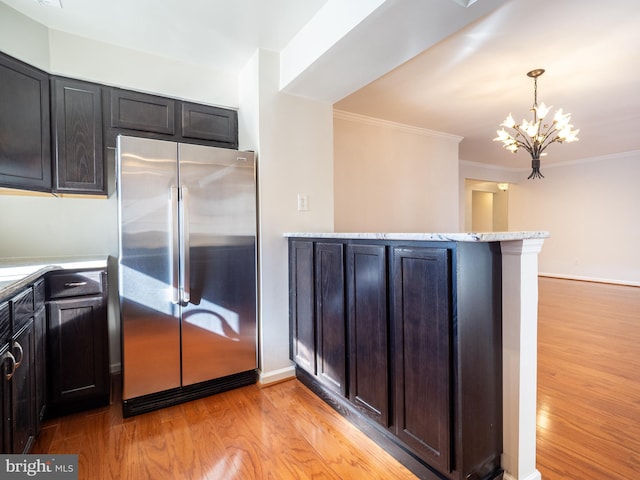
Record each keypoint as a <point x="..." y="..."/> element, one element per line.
<point x="25" y="147"/>
<point x="331" y="326"/>
<point x="368" y="330"/>
<point x="422" y="346"/>
<point x="77" y="130"/>
<point x="302" y="298"/>
<point x="422" y="323"/>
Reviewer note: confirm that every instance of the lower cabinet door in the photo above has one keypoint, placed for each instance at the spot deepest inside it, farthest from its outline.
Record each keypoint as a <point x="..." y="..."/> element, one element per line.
<point x="23" y="407"/>
<point x="78" y="366"/>
<point x="40" y="327"/>
<point x="331" y="328"/>
<point x="368" y="330"/>
<point x="422" y="333"/>
<point x="303" y="345"/>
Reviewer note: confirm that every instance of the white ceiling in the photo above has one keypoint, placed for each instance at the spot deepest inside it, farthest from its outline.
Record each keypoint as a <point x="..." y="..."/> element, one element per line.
<point x="224" y="33"/>
<point x="465" y="84"/>
<point x="468" y="83"/>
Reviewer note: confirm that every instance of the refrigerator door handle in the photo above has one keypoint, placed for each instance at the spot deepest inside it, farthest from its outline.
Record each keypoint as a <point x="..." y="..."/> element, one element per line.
<point x="184" y="245"/>
<point x="174" y="258"/>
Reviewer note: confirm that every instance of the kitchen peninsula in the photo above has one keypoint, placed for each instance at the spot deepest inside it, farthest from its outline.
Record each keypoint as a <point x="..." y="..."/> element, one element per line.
<point x="425" y="341"/>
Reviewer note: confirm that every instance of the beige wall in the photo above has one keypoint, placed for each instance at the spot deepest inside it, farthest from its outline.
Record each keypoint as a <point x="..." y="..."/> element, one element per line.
<point x="590" y="208"/>
<point x="393" y="178"/>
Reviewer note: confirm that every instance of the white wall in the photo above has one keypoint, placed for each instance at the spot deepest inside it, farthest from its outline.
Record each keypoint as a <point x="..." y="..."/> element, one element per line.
<point x="99" y="62"/>
<point x="23" y="38"/>
<point x="590" y="208"/>
<point x="393" y="178"/>
<point x="294" y="156"/>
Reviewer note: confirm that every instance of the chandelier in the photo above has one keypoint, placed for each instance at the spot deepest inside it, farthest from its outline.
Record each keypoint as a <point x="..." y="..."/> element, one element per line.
<point x="535" y="136"/>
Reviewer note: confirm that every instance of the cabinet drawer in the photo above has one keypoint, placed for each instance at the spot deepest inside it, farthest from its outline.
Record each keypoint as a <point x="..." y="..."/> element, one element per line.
<point x="74" y="284"/>
<point x="22" y="305"/>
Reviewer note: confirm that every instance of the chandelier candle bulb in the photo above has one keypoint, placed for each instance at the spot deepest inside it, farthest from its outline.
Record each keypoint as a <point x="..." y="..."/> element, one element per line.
<point x="534" y="136"/>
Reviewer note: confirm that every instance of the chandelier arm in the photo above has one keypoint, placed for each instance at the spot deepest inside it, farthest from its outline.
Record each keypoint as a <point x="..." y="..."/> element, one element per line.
<point x="554" y="139"/>
<point x="525" y="144"/>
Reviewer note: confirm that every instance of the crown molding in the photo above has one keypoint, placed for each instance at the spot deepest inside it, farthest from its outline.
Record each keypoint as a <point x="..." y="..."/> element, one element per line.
<point x="377" y="122"/>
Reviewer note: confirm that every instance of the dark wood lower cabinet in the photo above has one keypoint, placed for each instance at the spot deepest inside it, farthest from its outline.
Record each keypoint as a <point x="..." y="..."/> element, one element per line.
<point x="77" y="333"/>
<point x="422" y="332"/>
<point x="331" y="325"/>
<point x="302" y="295"/>
<point x="23" y="389"/>
<point x="368" y="330"/>
<point x="422" y="349"/>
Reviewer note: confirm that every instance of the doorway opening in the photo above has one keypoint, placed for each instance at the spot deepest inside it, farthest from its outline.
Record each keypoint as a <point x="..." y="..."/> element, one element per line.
<point x="486" y="206"/>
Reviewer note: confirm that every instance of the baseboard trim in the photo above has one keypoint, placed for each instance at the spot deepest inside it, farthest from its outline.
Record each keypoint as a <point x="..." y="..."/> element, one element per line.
<point x="535" y="475"/>
<point x="276" y="376"/>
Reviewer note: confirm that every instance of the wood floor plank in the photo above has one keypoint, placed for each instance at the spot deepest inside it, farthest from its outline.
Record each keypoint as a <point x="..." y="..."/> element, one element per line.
<point x="588" y="381"/>
<point x="342" y="446"/>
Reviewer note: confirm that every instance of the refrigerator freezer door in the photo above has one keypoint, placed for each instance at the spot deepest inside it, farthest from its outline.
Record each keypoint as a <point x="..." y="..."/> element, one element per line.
<point x="147" y="171"/>
<point x="219" y="321"/>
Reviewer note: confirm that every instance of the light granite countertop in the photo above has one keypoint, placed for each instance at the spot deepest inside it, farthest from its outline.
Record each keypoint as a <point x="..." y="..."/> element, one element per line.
<point x="433" y="237"/>
<point x="16" y="273"/>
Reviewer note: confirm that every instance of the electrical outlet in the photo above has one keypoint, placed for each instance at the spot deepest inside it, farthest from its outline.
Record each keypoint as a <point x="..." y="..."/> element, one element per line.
<point x="303" y="202"/>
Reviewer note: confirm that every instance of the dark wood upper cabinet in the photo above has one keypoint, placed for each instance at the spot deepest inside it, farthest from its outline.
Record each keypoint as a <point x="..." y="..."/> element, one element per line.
<point x="25" y="147"/>
<point x="203" y="122"/>
<point x="76" y="111"/>
<point x="142" y="112"/>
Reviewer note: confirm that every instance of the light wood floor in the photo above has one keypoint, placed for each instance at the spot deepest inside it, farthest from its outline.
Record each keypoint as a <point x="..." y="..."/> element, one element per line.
<point x="279" y="432"/>
<point x="588" y="381"/>
<point x="588" y="414"/>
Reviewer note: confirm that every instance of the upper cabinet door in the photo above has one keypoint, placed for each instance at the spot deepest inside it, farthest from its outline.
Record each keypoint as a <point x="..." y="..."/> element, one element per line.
<point x="215" y="124"/>
<point x="77" y="119"/>
<point x="142" y="112"/>
<point x="25" y="152"/>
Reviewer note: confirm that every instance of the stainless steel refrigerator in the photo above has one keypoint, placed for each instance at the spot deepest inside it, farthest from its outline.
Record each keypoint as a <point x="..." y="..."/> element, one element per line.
<point x="186" y="271"/>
